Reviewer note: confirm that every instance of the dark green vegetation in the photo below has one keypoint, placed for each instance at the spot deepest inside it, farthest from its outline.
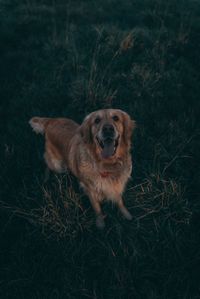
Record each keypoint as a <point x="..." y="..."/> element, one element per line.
<point x="68" y="58"/>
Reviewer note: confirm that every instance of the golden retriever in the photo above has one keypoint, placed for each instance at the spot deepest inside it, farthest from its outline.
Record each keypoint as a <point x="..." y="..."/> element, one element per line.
<point x="97" y="152"/>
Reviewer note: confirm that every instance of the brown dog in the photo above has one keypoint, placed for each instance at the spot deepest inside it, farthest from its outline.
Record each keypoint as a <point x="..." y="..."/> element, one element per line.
<point x="96" y="152"/>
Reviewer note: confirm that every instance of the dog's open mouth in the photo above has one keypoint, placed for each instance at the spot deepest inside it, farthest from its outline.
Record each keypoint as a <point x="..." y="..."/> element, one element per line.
<point x="108" y="146"/>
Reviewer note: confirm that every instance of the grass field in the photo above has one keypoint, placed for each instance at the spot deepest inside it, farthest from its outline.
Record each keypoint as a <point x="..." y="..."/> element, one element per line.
<point x="68" y="58"/>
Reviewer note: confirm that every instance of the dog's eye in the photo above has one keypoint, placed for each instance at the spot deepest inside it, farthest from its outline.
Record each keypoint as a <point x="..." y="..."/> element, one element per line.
<point x="97" y="120"/>
<point x="115" y="118"/>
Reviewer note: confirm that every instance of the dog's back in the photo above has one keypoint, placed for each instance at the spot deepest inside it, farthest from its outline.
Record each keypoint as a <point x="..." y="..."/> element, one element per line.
<point x="58" y="135"/>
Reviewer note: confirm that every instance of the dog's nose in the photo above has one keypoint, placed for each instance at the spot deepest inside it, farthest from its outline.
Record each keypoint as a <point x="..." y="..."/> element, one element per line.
<point x="108" y="130"/>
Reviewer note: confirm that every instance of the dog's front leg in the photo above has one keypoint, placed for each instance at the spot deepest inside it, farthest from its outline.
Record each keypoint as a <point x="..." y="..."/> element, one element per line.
<point x="95" y="202"/>
<point x="123" y="209"/>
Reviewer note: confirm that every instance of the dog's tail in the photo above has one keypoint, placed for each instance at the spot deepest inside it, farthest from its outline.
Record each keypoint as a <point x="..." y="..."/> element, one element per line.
<point x="39" y="124"/>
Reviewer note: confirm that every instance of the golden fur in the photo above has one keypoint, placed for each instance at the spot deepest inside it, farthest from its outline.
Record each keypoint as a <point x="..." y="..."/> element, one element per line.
<point x="96" y="152"/>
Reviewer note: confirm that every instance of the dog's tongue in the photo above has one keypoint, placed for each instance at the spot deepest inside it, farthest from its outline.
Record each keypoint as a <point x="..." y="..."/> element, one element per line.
<point x="109" y="148"/>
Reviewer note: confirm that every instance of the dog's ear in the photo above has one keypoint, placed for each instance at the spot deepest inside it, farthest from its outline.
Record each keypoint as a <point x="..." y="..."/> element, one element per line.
<point x="129" y="126"/>
<point x="85" y="130"/>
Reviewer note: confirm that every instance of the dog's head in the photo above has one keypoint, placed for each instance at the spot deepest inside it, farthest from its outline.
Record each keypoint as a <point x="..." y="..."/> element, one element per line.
<point x="108" y="131"/>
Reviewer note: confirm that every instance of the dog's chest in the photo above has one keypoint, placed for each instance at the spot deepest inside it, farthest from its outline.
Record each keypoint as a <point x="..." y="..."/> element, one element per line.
<point x="109" y="184"/>
<point x="110" y="187"/>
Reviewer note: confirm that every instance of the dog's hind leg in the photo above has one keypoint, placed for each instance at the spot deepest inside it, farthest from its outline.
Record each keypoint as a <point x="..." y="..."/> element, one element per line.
<point x="54" y="163"/>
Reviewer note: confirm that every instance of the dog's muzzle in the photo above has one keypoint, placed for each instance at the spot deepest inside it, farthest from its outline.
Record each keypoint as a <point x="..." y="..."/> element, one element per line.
<point x="108" y="140"/>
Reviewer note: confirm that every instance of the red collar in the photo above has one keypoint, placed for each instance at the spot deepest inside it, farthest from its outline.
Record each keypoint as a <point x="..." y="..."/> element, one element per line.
<point x="105" y="174"/>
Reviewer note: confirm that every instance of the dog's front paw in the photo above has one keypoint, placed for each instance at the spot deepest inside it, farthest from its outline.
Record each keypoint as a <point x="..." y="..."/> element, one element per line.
<point x="100" y="223"/>
<point x="127" y="214"/>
